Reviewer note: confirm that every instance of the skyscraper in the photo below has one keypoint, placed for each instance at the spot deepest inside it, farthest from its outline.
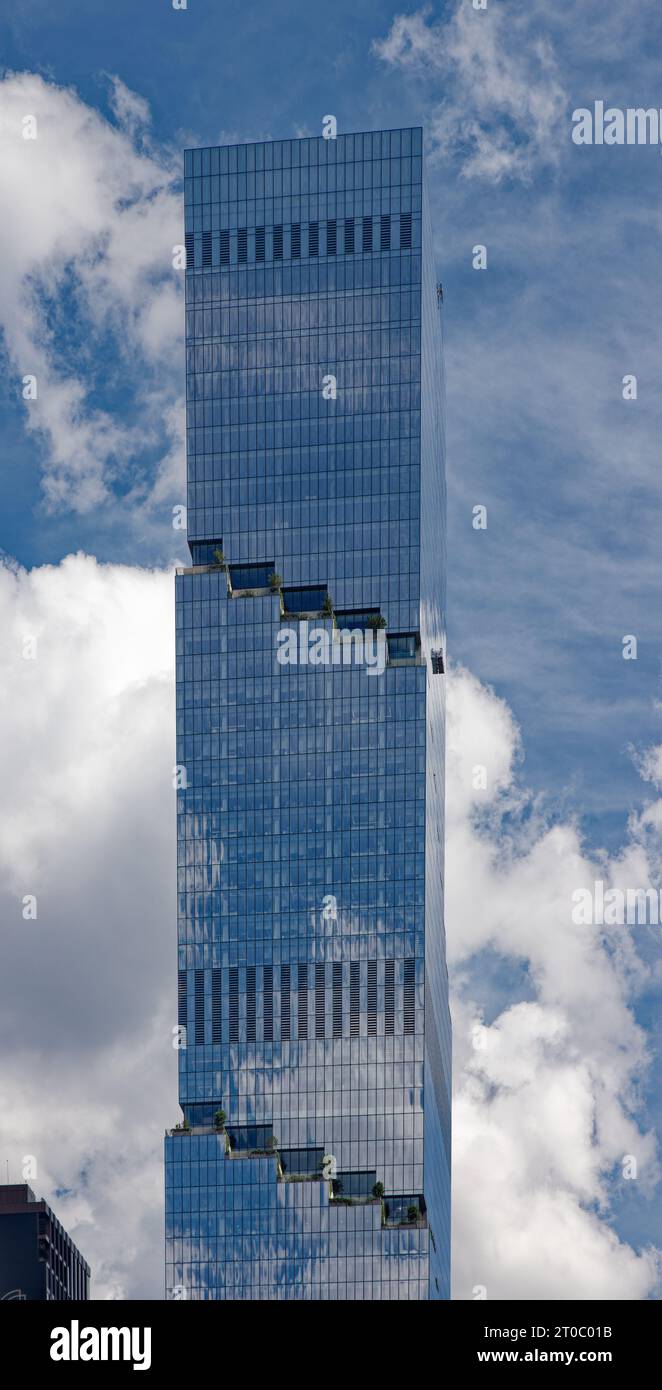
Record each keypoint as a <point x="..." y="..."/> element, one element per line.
<point x="38" y="1259"/>
<point x="314" y="1157"/>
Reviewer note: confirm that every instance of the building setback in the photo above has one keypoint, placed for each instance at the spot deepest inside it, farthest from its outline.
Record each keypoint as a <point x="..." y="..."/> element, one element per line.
<point x="38" y="1259"/>
<point x="313" y="993"/>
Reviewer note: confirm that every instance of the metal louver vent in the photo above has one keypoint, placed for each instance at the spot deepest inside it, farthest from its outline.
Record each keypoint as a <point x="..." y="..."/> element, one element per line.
<point x="182" y="1006"/>
<point x="389" y="997"/>
<point x="199" y="1007"/>
<point x="372" y="998"/>
<point x="302" y="1001"/>
<point x="250" y="1003"/>
<point x="319" y="1000"/>
<point x="234" y="1004"/>
<point x="354" y="998"/>
<point x="268" y="1003"/>
<point x="285" y="987"/>
<point x="410" y="995"/>
<point x="216" y="1035"/>
<point x="337" y="999"/>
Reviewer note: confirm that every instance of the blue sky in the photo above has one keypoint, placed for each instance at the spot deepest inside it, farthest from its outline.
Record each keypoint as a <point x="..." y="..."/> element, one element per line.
<point x="537" y="346"/>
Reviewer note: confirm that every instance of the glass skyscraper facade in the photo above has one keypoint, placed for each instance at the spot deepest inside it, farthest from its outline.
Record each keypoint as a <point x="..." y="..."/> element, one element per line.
<point x="313" y="994"/>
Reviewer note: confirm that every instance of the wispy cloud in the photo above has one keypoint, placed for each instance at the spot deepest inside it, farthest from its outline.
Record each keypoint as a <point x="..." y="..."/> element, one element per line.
<point x="503" y="95"/>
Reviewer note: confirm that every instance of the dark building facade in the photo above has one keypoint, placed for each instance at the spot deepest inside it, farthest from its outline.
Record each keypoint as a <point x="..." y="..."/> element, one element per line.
<point x="38" y="1260"/>
<point x="313" y="994"/>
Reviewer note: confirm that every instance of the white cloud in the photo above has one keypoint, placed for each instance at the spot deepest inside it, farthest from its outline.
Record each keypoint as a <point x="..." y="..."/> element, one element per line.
<point x="87" y="825"/>
<point x="543" y="1114"/>
<point x="503" y="96"/>
<point x="90" y="221"/>
<point x="649" y="764"/>
<point x="547" y="1108"/>
<point x="130" y="110"/>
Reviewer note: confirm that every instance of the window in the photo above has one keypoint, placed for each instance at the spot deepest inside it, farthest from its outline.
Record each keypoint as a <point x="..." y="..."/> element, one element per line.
<point x="354" y="1184"/>
<point x="250" y="576"/>
<point x="399" y="1210"/>
<point x="301" y="1161"/>
<point x="357" y="618"/>
<point x="247" y="1138"/>
<point x="304" y="600"/>
<point x="403" y="646"/>
<point x="204" y="552"/>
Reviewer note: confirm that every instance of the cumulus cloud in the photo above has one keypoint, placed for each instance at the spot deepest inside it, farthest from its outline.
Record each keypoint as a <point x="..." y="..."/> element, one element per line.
<point x="548" y="1071"/>
<point x="90" y="214"/>
<point x="547" y="1090"/>
<point x="503" y="92"/>
<point x="87" y="827"/>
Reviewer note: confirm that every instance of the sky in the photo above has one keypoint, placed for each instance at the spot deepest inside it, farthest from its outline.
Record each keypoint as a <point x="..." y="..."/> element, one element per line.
<point x="556" y="1027"/>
